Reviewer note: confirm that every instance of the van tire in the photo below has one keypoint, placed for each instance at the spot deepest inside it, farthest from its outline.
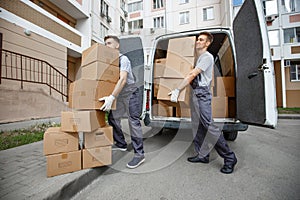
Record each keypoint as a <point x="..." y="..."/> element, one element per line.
<point x="230" y="136"/>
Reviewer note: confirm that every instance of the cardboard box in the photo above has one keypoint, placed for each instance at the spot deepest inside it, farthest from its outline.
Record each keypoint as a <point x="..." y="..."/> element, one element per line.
<point x="159" y="67"/>
<point x="84" y="94"/>
<point x="167" y="85"/>
<point x="155" y="86"/>
<point x="219" y="107"/>
<point x="101" y="71"/>
<point x="226" y="86"/>
<point x="63" y="163"/>
<point x="178" y="66"/>
<point x="226" y="58"/>
<point x="183" y="112"/>
<point x="184" y="46"/>
<point x="100" y="52"/>
<point x="96" y="157"/>
<point x="57" y="141"/>
<point x="98" y="138"/>
<point x="85" y="121"/>
<point x="161" y="108"/>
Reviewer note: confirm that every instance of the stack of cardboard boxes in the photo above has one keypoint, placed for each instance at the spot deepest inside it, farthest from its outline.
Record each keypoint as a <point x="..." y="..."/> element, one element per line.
<point x="169" y="72"/>
<point x="223" y="102"/>
<point x="62" y="147"/>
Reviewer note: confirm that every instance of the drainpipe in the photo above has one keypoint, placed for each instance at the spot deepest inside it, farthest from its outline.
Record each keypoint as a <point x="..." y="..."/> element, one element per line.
<point x="282" y="67"/>
<point x="166" y="31"/>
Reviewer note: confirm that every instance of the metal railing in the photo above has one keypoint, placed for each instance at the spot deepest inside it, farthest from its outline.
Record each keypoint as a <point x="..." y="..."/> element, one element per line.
<point x="18" y="67"/>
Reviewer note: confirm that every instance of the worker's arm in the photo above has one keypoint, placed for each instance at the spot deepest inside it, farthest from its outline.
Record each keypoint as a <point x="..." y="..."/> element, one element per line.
<point x="187" y="80"/>
<point x="118" y="88"/>
<point x="120" y="84"/>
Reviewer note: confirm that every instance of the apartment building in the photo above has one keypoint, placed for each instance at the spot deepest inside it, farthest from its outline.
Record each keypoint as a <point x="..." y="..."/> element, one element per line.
<point x="283" y="20"/>
<point x="46" y="38"/>
<point x="41" y="44"/>
<point x="152" y="18"/>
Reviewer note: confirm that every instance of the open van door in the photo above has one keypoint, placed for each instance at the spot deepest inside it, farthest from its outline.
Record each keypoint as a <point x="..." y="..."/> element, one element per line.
<point x="132" y="47"/>
<point x="255" y="77"/>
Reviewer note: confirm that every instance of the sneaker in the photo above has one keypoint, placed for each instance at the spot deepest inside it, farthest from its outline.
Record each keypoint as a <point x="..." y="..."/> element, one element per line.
<point x="115" y="147"/>
<point x="136" y="161"/>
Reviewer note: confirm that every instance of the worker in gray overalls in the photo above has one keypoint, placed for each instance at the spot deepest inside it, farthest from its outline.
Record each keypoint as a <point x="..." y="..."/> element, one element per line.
<point x="126" y="93"/>
<point x="204" y="131"/>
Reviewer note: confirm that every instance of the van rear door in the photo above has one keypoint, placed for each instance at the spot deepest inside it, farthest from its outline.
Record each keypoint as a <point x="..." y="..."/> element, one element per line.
<point x="132" y="47"/>
<point x="255" y="78"/>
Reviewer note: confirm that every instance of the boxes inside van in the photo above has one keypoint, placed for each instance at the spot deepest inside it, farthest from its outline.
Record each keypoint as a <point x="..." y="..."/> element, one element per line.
<point x="173" y="63"/>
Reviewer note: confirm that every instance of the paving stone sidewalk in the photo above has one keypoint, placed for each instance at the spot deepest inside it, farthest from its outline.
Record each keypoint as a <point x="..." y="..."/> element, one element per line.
<point x="23" y="176"/>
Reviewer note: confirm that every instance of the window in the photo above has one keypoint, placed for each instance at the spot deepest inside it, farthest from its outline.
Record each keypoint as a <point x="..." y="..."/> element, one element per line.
<point x="103" y="30"/>
<point x="184" y="17"/>
<point x="208" y="13"/>
<point x="158" y="4"/>
<point x="122" y="24"/>
<point x="295" y="71"/>
<point x="137" y="24"/>
<point x="136" y="6"/>
<point x="274" y="37"/>
<point x="159" y="22"/>
<point x="103" y="9"/>
<point x="291" y="35"/>
<point x="122" y="4"/>
<point x="291" y="5"/>
<point x="183" y="1"/>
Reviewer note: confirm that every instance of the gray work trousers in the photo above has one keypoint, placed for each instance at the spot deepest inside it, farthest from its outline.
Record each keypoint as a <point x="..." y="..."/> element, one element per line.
<point x="127" y="103"/>
<point x="206" y="134"/>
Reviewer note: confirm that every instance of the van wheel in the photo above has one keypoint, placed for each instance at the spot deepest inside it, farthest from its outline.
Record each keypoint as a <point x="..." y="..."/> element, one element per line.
<point x="230" y="136"/>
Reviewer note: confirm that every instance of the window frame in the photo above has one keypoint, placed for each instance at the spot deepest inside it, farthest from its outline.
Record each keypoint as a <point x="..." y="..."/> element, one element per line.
<point x="135" y="25"/>
<point x="186" y="17"/>
<point x="160" y="21"/>
<point x="158" y="4"/>
<point x="135" y="6"/>
<point x="296" y="73"/>
<point x="205" y="13"/>
<point x="183" y="2"/>
<point x="103" y="30"/>
<point x="295" y="38"/>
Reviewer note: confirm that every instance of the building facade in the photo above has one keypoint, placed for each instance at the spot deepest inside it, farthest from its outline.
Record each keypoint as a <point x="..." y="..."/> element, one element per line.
<point x="156" y="17"/>
<point x="283" y="20"/>
<point x="50" y="35"/>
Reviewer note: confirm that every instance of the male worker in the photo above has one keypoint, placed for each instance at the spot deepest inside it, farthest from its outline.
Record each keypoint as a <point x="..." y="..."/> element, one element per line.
<point x="126" y="93"/>
<point x="204" y="131"/>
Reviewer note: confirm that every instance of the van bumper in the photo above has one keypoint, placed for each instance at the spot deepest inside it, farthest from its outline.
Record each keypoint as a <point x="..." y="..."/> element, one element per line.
<point x="172" y="124"/>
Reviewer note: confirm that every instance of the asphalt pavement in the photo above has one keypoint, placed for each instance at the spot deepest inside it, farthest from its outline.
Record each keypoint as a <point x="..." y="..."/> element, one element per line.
<point x="23" y="172"/>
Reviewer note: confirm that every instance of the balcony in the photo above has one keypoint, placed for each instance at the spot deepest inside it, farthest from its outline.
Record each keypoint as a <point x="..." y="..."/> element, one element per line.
<point x="72" y="8"/>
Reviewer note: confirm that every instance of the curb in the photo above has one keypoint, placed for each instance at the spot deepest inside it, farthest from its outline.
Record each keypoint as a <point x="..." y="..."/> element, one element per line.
<point x="291" y="116"/>
<point x="26" y="124"/>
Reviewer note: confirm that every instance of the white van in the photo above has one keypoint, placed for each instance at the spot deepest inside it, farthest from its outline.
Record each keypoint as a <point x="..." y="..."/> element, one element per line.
<point x="248" y="60"/>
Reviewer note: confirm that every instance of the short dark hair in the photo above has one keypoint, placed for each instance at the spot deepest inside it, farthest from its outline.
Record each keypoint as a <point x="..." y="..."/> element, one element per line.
<point x="115" y="38"/>
<point x="210" y="37"/>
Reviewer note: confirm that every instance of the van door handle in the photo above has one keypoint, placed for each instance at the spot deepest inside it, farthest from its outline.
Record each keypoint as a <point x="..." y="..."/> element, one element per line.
<point x="252" y="75"/>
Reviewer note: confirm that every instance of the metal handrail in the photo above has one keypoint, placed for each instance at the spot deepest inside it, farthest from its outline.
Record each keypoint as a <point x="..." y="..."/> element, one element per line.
<point x="23" y="68"/>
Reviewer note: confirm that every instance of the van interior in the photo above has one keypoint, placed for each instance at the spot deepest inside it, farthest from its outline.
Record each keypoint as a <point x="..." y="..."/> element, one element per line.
<point x="222" y="87"/>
